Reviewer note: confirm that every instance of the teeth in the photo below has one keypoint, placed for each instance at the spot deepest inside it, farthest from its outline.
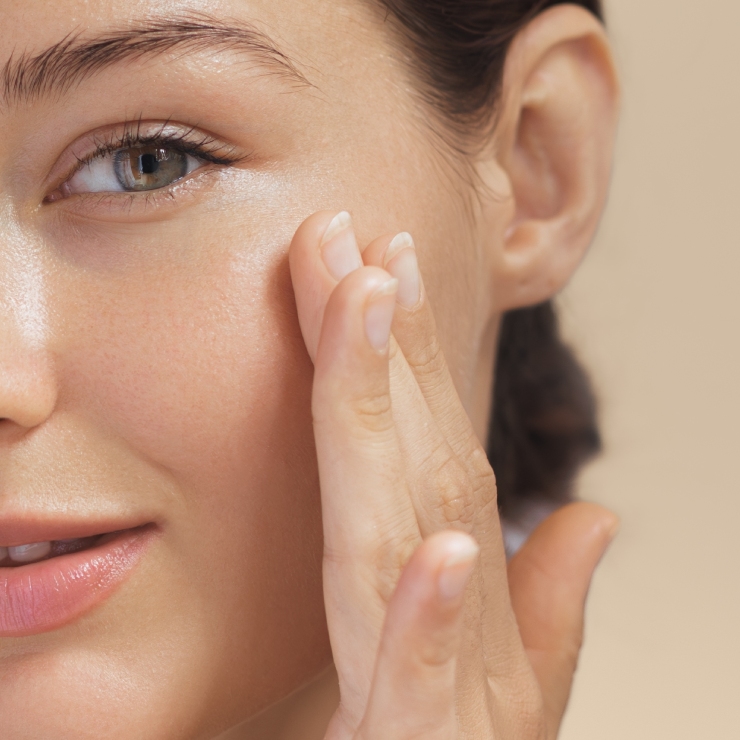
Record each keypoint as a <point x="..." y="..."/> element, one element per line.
<point x="35" y="551"/>
<point x="29" y="553"/>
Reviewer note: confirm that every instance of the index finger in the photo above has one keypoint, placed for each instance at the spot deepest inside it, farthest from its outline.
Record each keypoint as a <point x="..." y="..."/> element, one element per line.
<point x="370" y="527"/>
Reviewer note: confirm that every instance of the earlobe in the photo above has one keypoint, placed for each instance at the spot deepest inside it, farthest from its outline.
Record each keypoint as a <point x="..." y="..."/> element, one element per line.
<point x="554" y="137"/>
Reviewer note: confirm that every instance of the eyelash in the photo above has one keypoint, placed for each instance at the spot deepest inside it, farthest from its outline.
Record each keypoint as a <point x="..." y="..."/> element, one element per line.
<point x="191" y="141"/>
<point x="205" y="148"/>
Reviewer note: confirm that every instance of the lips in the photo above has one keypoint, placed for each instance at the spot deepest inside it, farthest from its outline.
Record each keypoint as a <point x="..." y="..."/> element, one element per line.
<point x="36" y="551"/>
<point x="70" y="575"/>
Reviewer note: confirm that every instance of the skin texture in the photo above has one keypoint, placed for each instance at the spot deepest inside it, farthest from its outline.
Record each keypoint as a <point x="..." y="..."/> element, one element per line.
<point x="157" y="359"/>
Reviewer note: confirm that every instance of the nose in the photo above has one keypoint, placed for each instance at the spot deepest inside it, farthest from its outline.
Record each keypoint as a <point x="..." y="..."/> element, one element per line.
<point x="27" y="397"/>
<point x="28" y="390"/>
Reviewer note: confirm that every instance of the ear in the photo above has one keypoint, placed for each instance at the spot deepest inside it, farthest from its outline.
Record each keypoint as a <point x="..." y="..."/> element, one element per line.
<point x="554" y="141"/>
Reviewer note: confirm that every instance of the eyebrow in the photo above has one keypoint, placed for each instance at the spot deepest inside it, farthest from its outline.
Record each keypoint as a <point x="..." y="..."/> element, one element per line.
<point x="69" y="62"/>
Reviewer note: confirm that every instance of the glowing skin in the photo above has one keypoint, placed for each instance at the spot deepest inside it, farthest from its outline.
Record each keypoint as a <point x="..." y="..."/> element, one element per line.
<point x="153" y="367"/>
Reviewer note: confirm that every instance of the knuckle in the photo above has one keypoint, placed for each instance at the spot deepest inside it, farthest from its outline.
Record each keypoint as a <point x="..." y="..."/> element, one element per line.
<point x="480" y="465"/>
<point x="437" y="650"/>
<point x="483" y="481"/>
<point x="450" y="492"/>
<point x="375" y="561"/>
<point x="427" y="357"/>
<point x="390" y="555"/>
<point x="371" y="411"/>
<point x="459" y="493"/>
<point x="337" y="558"/>
<point x="361" y="414"/>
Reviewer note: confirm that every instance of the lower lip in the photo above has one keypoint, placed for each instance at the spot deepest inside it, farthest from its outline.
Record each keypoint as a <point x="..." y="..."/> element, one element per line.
<point x="44" y="596"/>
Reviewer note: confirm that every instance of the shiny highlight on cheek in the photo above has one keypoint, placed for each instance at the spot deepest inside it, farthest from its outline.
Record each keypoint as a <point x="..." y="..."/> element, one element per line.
<point x="23" y="297"/>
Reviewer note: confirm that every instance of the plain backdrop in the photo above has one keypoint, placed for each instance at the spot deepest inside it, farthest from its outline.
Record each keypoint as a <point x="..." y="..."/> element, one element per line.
<point x="654" y="313"/>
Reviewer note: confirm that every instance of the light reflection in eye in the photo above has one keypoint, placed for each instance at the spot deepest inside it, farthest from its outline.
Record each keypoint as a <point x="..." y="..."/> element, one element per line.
<point x="132" y="169"/>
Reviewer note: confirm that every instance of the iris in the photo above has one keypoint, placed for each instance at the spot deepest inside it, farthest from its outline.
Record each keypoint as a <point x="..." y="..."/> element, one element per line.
<point x="149" y="167"/>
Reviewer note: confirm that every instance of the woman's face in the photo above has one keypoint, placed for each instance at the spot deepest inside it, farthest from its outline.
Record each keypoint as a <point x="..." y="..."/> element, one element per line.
<point x="152" y="370"/>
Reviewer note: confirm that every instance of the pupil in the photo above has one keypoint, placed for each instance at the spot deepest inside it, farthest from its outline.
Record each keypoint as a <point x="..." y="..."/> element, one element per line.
<point x="148" y="168"/>
<point x="148" y="164"/>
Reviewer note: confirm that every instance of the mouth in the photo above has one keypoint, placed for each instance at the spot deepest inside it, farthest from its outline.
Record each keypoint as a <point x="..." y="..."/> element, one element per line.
<point x="35" y="552"/>
<point x="48" y="583"/>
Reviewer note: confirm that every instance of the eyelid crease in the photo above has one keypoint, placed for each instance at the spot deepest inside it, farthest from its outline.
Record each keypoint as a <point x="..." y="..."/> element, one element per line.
<point x="205" y="147"/>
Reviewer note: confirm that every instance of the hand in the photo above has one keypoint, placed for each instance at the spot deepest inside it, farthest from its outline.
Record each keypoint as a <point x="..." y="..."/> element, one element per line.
<point x="431" y="637"/>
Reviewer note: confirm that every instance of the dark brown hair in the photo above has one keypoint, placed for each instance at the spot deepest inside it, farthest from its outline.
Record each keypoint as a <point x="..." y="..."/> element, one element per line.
<point x="543" y="422"/>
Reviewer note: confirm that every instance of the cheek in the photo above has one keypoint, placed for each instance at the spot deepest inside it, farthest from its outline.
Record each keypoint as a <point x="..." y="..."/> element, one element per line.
<point x="199" y="371"/>
<point x="197" y="367"/>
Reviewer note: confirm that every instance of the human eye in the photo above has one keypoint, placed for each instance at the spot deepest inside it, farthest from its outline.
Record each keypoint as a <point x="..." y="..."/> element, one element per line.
<point x="142" y="158"/>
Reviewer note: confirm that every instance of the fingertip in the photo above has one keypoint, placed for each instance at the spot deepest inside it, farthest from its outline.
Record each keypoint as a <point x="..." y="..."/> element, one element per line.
<point x="612" y="525"/>
<point x="355" y="289"/>
<point x="351" y="359"/>
<point x="577" y="528"/>
<point x="445" y="561"/>
<point x="374" y="253"/>
<point x="379" y="310"/>
<point x="436" y="568"/>
<point x="562" y="554"/>
<point x="448" y="546"/>
<point x="312" y="230"/>
<point x="325" y="240"/>
<point x="549" y="580"/>
<point x="417" y="666"/>
<point x="461" y="555"/>
<point x="593" y="525"/>
<point x="312" y="285"/>
<point x="458" y="546"/>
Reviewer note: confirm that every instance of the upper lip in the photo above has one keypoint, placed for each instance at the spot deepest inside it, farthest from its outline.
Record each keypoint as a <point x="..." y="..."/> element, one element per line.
<point x="24" y="529"/>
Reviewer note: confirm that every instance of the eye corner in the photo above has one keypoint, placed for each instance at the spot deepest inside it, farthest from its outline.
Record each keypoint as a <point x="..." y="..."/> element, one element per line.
<point x="99" y="172"/>
<point x="54" y="196"/>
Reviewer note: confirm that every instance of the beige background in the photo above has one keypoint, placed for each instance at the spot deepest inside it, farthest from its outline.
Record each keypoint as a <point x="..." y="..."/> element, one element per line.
<point x="654" y="312"/>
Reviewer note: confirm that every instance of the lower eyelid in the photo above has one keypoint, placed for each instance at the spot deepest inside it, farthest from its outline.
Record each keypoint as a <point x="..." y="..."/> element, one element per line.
<point x="145" y="205"/>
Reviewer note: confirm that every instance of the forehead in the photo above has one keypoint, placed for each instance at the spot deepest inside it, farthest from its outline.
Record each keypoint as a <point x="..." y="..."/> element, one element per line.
<point x="339" y="48"/>
<point x="307" y="31"/>
<point x="32" y="21"/>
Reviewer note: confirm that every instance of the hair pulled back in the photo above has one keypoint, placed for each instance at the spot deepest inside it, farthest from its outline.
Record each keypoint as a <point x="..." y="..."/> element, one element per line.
<point x="543" y="422"/>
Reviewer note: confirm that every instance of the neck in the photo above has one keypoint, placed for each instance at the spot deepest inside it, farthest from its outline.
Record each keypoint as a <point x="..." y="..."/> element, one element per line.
<point x="304" y="715"/>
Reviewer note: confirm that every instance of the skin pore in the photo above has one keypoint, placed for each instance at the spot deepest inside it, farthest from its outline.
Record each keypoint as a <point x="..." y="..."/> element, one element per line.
<point x="153" y="367"/>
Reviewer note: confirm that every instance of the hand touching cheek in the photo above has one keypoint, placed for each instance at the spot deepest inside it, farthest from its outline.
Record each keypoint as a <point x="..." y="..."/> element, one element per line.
<point x="432" y="635"/>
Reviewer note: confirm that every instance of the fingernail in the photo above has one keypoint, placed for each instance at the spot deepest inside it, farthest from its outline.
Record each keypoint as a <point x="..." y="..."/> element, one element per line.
<point x="457" y="567"/>
<point x="339" y="247"/>
<point x="401" y="262"/>
<point x="379" y="314"/>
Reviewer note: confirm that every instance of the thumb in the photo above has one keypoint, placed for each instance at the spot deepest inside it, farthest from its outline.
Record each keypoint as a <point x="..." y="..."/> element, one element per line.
<point x="549" y="580"/>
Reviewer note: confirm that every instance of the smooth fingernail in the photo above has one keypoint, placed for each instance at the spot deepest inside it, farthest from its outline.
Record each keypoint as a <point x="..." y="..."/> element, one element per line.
<point x="400" y="261"/>
<point x="457" y="567"/>
<point x="339" y="247"/>
<point x="379" y="314"/>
